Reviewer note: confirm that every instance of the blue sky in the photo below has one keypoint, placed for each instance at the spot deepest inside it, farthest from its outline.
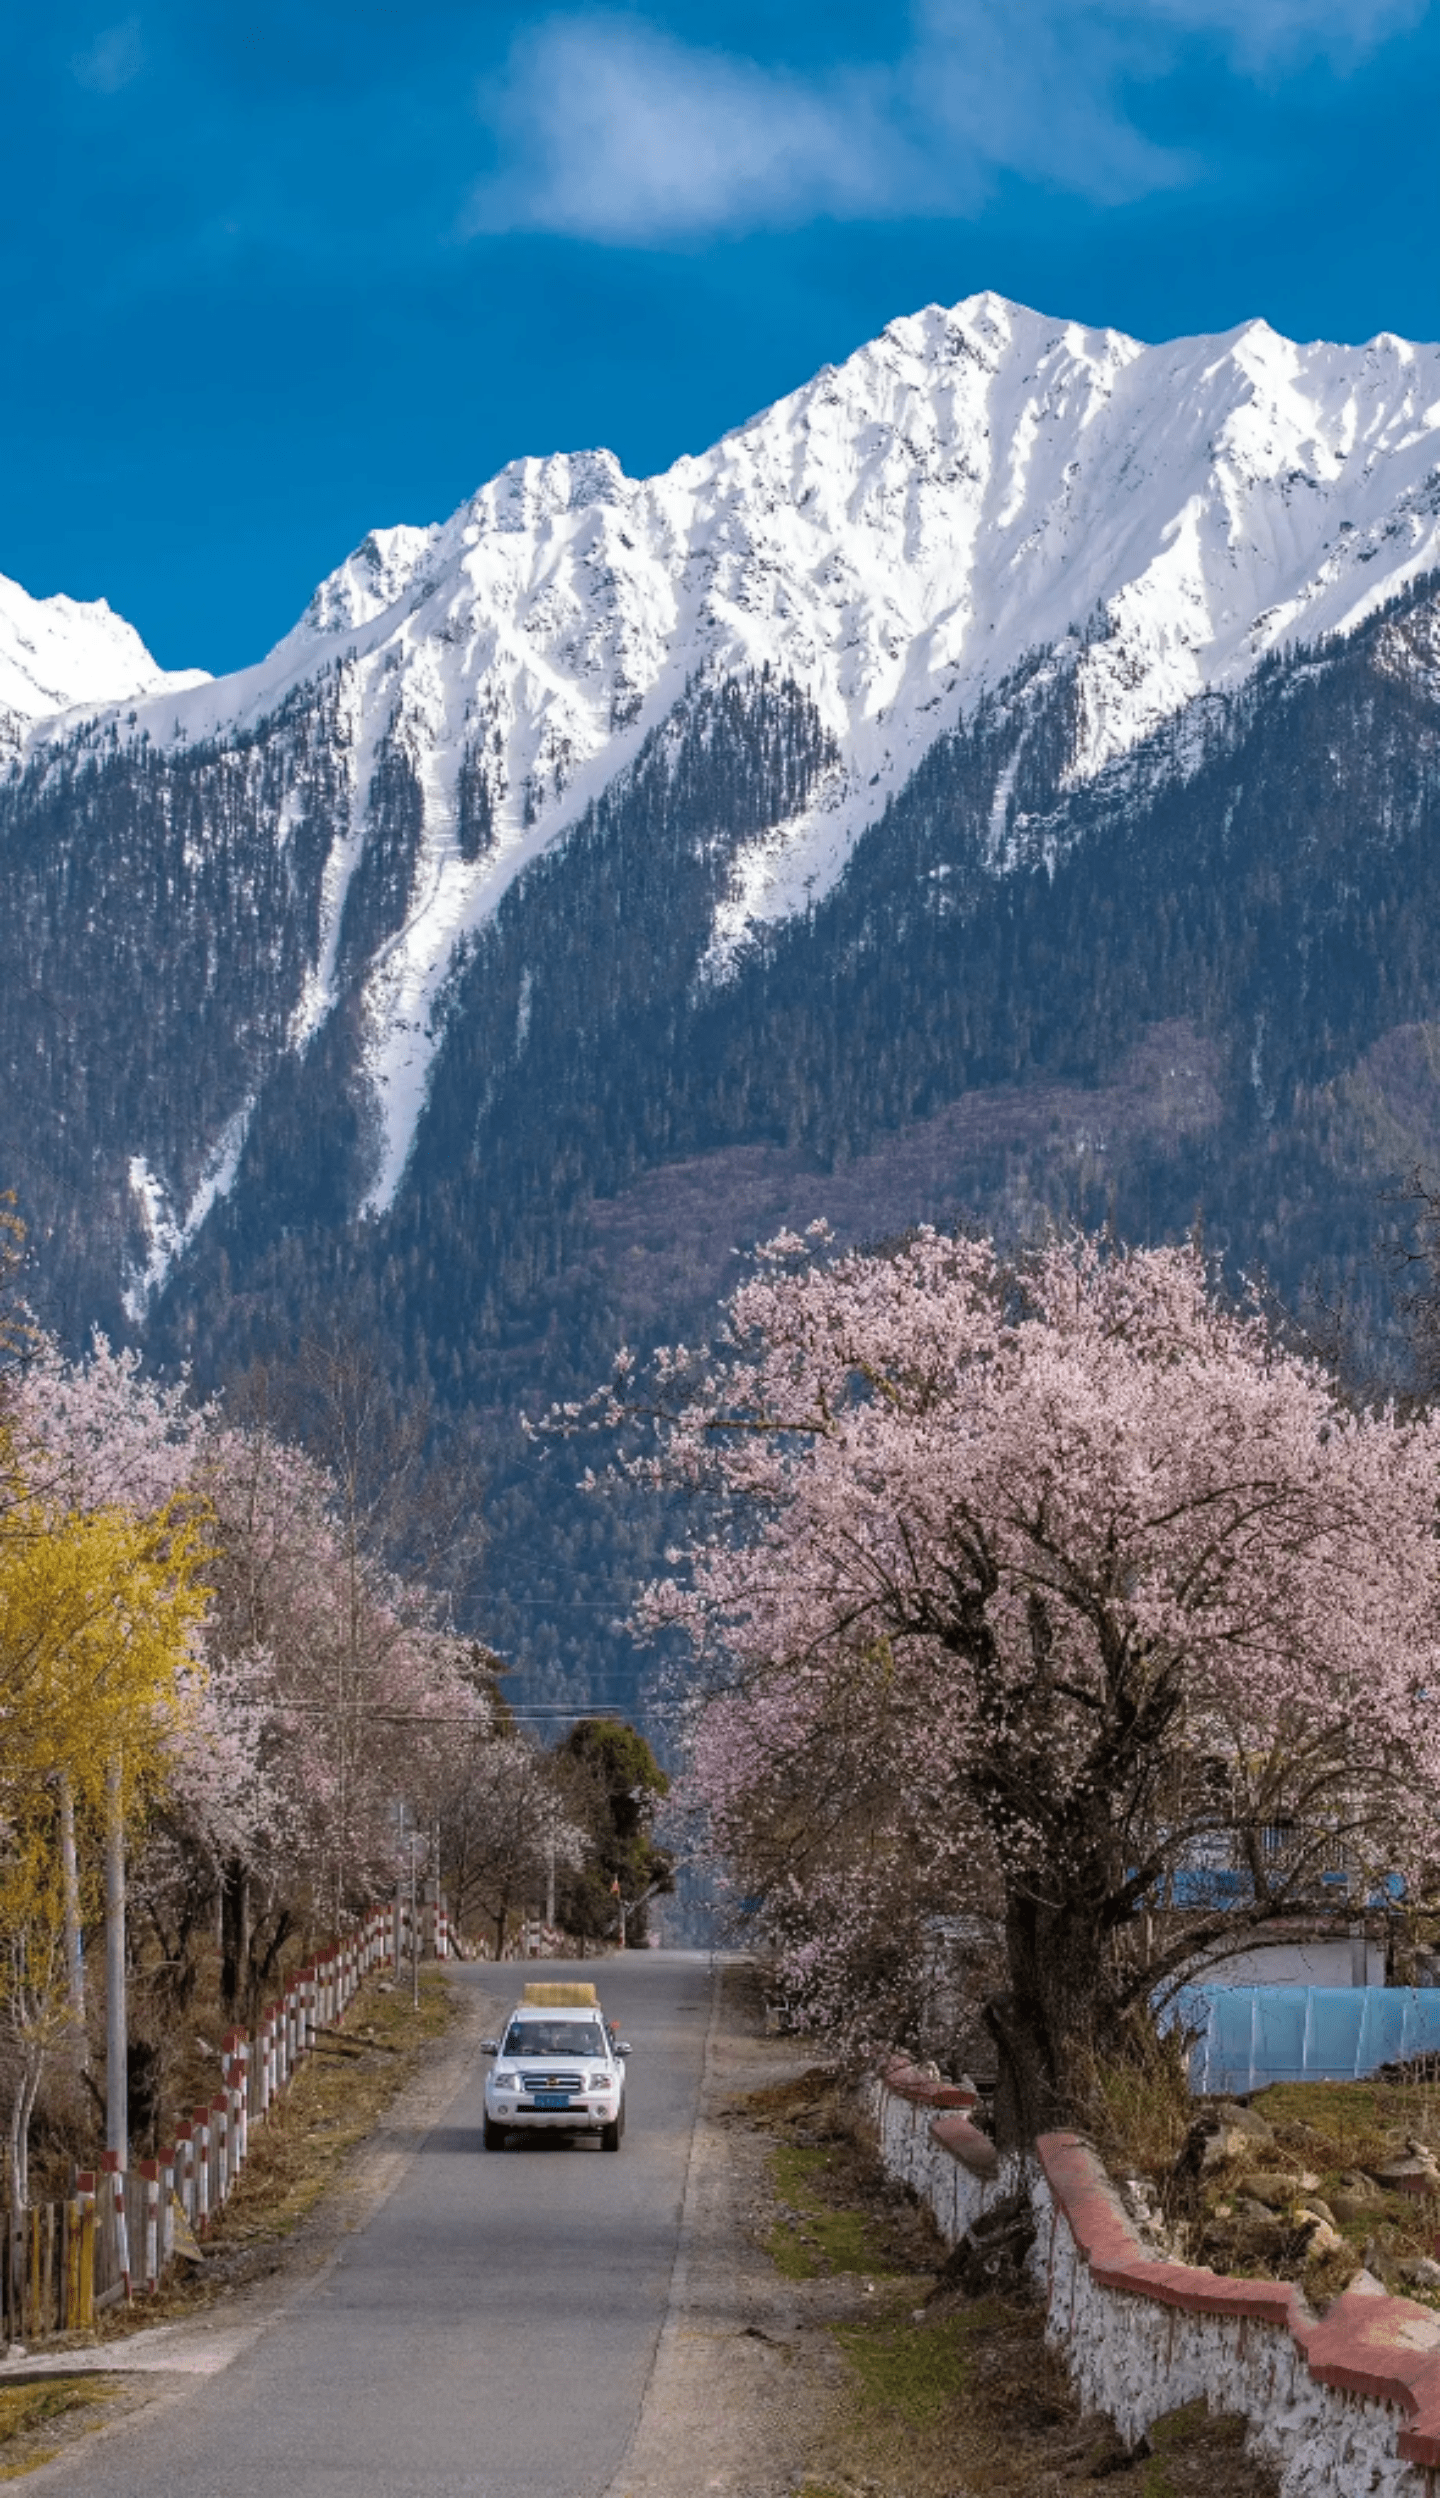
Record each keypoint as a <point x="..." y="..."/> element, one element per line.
<point x="274" y="272"/>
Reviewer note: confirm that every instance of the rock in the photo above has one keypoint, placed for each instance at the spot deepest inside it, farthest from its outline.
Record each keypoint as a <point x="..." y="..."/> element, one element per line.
<point x="1277" y="2189"/>
<point x="1323" y="2238"/>
<point x="1248" y="2121"/>
<point x="1210" y="2144"/>
<point x="1319" y="2208"/>
<point x="1356" y="2197"/>
<point x="1423" y="2271"/>
<point x="1408" y="2176"/>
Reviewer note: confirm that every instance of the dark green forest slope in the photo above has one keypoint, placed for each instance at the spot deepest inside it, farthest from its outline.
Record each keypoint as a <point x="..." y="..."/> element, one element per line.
<point x="1206" y="981"/>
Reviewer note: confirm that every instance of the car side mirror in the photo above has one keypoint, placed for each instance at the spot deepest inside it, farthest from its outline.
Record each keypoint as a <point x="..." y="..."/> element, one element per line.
<point x="489" y="2046"/>
<point x="623" y="2047"/>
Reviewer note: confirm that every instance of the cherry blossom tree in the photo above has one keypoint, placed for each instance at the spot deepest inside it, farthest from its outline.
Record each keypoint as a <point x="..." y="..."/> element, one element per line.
<point x="361" y="1693"/>
<point x="503" y="1824"/>
<point x="1057" y="1592"/>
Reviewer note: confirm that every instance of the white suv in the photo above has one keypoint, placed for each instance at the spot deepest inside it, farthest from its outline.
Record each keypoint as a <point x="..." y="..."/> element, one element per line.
<point x="556" y="2070"/>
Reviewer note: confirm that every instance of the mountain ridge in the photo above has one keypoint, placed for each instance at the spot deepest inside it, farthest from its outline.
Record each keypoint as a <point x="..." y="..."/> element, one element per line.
<point x="312" y="1016"/>
<point x="973" y="488"/>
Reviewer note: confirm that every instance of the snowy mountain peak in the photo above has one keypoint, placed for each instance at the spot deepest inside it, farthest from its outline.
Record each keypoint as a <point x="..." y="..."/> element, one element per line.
<point x="976" y="486"/>
<point x="368" y="582"/>
<point x="57" y="652"/>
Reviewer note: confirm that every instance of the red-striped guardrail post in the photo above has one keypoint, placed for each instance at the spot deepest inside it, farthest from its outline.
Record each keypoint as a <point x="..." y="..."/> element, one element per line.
<point x="150" y="2270"/>
<point x="220" y="2136"/>
<point x="200" y="2138"/>
<point x="110" y="2161"/>
<point x="240" y="2098"/>
<point x="166" y="2157"/>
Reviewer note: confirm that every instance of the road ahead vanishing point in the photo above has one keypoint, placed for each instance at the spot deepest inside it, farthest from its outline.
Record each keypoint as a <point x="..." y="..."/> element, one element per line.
<point x="489" y="2332"/>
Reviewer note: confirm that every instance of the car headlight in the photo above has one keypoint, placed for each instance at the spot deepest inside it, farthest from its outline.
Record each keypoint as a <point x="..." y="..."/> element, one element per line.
<point x="599" y="2081"/>
<point x="508" y="2081"/>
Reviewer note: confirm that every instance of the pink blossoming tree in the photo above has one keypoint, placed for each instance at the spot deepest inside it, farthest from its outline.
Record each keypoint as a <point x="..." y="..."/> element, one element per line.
<point x="1030" y="1592"/>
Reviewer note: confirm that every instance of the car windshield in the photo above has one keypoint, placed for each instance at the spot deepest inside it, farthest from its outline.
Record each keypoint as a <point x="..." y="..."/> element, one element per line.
<point x="554" y="2038"/>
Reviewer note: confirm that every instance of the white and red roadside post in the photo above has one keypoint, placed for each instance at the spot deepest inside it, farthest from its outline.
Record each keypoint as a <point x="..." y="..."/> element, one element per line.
<point x="200" y="2139"/>
<point x="167" y="2203"/>
<point x="110" y="2162"/>
<point x="150" y="2270"/>
<point x="233" y="2067"/>
<point x="267" y="2059"/>
<point x="220" y="2136"/>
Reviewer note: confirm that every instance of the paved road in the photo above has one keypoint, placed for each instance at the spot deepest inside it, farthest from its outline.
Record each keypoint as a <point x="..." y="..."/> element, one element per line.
<point x="488" y="2334"/>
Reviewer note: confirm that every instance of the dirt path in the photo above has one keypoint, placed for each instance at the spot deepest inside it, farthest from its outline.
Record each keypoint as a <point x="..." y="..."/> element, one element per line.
<point x="745" y="2376"/>
<point x="809" y="2351"/>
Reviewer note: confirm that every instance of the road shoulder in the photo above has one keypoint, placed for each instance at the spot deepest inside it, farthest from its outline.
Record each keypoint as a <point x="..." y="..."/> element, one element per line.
<point x="745" y="2374"/>
<point x="249" y="2286"/>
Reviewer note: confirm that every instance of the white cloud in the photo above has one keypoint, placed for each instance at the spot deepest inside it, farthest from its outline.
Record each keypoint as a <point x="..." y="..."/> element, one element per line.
<point x="113" y="59"/>
<point x="1268" y="34"/>
<point x="618" y="131"/>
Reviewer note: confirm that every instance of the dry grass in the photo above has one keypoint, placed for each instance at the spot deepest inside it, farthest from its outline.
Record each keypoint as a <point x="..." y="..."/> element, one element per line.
<point x="1138" y="2106"/>
<point x="969" y="2398"/>
<point x="30" y="2414"/>
<point x="1139" y="2113"/>
<point x="336" y="2100"/>
<point x="942" y="2394"/>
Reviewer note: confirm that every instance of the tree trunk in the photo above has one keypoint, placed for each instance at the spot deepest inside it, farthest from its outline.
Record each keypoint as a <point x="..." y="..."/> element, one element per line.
<point x="1052" y="2021"/>
<point x="234" y="1930"/>
<point x="16" y="2147"/>
<point x="22" y="2108"/>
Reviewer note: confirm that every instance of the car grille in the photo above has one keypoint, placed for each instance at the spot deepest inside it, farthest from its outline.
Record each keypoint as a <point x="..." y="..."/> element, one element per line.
<point x="554" y="2081"/>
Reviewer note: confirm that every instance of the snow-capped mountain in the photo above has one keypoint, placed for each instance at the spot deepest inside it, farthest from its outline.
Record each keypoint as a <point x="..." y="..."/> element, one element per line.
<point x="58" y="652"/>
<point x="975" y="486"/>
<point x="1002" y="779"/>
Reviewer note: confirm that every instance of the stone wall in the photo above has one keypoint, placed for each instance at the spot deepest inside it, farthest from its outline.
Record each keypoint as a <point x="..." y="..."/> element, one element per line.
<point x="1346" y="2406"/>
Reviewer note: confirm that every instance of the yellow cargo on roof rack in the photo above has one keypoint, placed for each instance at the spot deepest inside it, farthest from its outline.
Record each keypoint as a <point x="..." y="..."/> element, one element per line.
<point x="557" y="1991"/>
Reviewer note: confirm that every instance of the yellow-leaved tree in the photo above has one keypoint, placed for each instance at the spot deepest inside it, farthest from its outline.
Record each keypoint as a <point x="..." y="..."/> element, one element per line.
<point x="98" y="1614"/>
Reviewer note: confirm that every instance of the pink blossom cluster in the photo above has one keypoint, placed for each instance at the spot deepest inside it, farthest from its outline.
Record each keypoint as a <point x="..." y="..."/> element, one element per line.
<point x="1026" y="1586"/>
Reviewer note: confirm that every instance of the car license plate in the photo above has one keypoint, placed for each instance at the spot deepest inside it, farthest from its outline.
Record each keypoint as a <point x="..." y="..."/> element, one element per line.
<point x="552" y="2098"/>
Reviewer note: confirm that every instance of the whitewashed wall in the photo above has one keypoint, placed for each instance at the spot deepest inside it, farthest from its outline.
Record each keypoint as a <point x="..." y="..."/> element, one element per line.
<point x="1136" y="2359"/>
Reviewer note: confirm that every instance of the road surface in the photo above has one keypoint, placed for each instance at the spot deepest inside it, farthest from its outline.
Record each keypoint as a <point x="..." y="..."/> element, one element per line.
<point x="488" y="2333"/>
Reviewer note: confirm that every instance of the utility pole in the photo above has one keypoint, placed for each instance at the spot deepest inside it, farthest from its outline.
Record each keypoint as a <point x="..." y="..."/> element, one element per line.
<point x="117" y="2045"/>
